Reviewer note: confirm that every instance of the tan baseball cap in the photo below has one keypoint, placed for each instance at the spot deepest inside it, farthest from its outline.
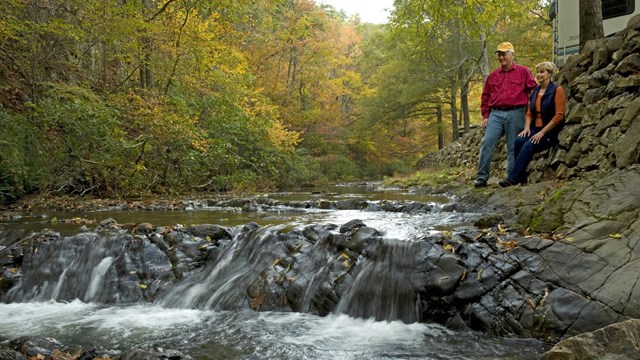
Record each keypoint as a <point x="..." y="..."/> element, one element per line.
<point x="505" y="46"/>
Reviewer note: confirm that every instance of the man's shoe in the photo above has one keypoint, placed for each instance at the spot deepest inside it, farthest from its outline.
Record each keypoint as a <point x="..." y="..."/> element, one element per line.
<point x="480" y="183"/>
<point x="506" y="183"/>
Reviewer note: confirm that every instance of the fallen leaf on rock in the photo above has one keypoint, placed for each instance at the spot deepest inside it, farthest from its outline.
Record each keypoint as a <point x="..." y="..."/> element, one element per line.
<point x="449" y="248"/>
<point x="256" y="302"/>
<point x="59" y="355"/>
<point x="533" y="306"/>
<point x="509" y="245"/>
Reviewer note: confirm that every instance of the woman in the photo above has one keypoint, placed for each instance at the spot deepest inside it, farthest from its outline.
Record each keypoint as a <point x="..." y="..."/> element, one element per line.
<point x="543" y="122"/>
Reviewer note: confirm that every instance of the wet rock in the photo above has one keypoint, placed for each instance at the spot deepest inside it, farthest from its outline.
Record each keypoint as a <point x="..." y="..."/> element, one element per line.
<point x="31" y="346"/>
<point x="620" y="341"/>
<point x="88" y="353"/>
<point x="108" y="224"/>
<point x="446" y="274"/>
<point x="155" y="354"/>
<point x="488" y="221"/>
<point x="210" y="232"/>
<point x="8" y="354"/>
<point x="351" y="225"/>
<point x="144" y="229"/>
<point x="357" y="241"/>
<point x="351" y="204"/>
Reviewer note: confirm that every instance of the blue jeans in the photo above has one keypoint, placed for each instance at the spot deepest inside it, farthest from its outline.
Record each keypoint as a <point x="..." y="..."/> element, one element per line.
<point x="524" y="151"/>
<point x="510" y="123"/>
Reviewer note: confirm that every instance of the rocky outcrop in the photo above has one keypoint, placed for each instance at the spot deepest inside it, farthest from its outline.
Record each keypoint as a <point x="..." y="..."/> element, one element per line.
<point x="618" y="341"/>
<point x="602" y="123"/>
<point x="582" y="206"/>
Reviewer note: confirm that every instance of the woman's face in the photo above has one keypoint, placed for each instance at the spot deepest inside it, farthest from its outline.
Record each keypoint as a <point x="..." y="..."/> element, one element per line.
<point x="542" y="75"/>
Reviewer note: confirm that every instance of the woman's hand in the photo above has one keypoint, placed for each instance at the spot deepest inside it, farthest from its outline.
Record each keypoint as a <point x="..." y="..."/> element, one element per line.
<point x="524" y="133"/>
<point x="536" y="138"/>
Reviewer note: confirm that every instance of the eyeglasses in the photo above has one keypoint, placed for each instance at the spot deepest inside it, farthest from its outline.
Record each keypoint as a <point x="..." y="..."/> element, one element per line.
<point x="500" y="53"/>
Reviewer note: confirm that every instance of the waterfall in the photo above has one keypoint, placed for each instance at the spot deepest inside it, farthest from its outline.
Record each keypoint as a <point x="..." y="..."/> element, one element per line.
<point x="222" y="284"/>
<point x="384" y="285"/>
<point x="66" y="269"/>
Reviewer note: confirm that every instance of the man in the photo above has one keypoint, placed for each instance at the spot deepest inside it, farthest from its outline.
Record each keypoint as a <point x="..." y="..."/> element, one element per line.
<point x="504" y="105"/>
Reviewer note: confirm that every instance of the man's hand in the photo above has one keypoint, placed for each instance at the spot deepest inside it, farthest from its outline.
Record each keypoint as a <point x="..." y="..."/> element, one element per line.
<point x="485" y="122"/>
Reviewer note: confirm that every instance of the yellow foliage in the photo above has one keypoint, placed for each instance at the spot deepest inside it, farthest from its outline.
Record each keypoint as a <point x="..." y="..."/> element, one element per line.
<point x="282" y="138"/>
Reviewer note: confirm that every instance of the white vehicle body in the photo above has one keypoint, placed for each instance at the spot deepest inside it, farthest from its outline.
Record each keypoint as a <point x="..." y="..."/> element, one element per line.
<point x="566" y="23"/>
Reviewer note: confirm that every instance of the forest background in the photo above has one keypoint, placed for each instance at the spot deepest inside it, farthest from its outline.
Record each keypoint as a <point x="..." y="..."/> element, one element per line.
<point x="121" y="98"/>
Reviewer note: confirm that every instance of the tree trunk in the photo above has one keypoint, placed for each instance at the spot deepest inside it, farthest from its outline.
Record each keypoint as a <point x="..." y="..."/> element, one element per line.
<point x="464" y="101"/>
<point x="440" y="126"/>
<point x="590" y="21"/>
<point x="146" y="75"/>
<point x="484" y="60"/>
<point x="454" y="108"/>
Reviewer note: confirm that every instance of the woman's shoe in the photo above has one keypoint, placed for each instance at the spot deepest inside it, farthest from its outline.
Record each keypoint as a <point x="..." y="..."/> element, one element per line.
<point x="506" y="183"/>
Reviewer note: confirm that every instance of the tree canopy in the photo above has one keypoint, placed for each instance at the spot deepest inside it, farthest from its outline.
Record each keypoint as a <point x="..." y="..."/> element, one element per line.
<point x="126" y="98"/>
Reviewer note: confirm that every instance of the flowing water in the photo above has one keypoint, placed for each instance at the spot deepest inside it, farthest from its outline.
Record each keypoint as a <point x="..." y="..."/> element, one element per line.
<point x="66" y="303"/>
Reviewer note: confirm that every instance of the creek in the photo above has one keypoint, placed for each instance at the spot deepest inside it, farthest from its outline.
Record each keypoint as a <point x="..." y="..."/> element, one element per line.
<point x="201" y="315"/>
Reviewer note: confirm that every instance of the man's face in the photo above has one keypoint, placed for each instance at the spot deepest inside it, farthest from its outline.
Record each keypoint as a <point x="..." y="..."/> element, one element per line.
<point x="505" y="59"/>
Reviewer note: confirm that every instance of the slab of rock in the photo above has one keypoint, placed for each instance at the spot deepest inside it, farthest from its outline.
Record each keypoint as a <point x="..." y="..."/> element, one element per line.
<point x="619" y="341"/>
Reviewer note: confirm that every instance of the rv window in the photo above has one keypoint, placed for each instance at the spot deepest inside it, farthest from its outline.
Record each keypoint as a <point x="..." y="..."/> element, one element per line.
<point x="615" y="8"/>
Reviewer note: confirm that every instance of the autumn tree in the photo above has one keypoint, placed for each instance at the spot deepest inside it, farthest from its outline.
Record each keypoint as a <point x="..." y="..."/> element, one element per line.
<point x="451" y="40"/>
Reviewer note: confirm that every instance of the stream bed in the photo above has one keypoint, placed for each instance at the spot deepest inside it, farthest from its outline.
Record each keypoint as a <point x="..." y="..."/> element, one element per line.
<point x="204" y="333"/>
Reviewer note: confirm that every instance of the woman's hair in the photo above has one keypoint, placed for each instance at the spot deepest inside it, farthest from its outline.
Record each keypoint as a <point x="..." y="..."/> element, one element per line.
<point x="548" y="66"/>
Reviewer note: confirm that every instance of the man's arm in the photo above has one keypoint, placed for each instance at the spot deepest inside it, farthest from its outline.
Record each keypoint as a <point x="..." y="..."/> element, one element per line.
<point x="484" y="100"/>
<point x="529" y="82"/>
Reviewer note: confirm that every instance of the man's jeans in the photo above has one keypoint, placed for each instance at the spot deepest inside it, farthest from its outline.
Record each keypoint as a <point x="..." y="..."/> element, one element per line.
<point x="510" y="123"/>
<point x="524" y="150"/>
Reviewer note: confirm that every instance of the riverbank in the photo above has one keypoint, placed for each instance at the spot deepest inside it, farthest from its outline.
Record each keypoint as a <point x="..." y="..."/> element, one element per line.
<point x="549" y="260"/>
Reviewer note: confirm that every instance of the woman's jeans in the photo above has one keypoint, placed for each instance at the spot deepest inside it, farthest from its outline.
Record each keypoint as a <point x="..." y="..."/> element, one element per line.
<point x="524" y="150"/>
<point x="510" y="123"/>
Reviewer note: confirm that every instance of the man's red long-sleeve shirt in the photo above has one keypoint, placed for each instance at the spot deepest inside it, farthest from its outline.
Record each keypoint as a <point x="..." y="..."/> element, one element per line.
<point x="507" y="88"/>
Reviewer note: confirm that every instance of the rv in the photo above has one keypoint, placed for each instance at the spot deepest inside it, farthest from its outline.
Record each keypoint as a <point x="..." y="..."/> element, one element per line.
<point x="566" y="23"/>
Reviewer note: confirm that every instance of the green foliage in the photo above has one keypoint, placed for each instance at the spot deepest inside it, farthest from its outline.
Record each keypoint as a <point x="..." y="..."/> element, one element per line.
<point x="75" y="144"/>
<point x="15" y="176"/>
<point x="117" y="98"/>
<point x="339" y="168"/>
<point x="61" y="143"/>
